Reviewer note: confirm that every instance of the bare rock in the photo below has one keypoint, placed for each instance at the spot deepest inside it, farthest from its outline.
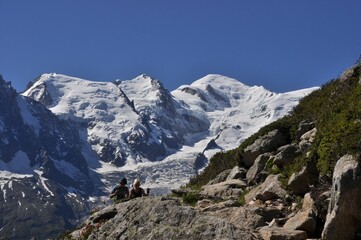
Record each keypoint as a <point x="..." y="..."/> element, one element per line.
<point x="220" y="177"/>
<point x="271" y="188"/>
<point x="307" y="139"/>
<point x="286" y="154"/>
<point x="267" y="143"/>
<point x="257" y="167"/>
<point x="304" y="127"/>
<point x="269" y="213"/>
<point x="216" y="206"/>
<point x="343" y="219"/>
<point x="162" y="218"/>
<point x="305" y="219"/>
<point x="302" y="181"/>
<point x="233" y="187"/>
<point x="241" y="217"/>
<point x="237" y="173"/>
<point x="204" y="203"/>
<point x="279" y="233"/>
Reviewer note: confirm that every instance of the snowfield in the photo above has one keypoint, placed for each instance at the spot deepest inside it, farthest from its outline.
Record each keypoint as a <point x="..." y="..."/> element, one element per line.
<point x="179" y="125"/>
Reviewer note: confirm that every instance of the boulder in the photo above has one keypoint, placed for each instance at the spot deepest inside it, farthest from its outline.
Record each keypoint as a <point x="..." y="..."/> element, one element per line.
<point x="305" y="219"/>
<point x="286" y="154"/>
<point x="220" y="177"/>
<point x="279" y="233"/>
<point x="302" y="181"/>
<point x="233" y="187"/>
<point x="343" y="220"/>
<point x="266" y="143"/>
<point x="307" y="139"/>
<point x="270" y="212"/>
<point x="271" y="188"/>
<point x="304" y="127"/>
<point x="257" y="167"/>
<point x="237" y="173"/>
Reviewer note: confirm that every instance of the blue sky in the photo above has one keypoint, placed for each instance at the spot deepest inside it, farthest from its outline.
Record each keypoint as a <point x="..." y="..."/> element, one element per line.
<point x="283" y="45"/>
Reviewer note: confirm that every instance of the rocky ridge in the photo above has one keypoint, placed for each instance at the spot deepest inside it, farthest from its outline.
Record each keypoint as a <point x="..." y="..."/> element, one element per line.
<point x="269" y="209"/>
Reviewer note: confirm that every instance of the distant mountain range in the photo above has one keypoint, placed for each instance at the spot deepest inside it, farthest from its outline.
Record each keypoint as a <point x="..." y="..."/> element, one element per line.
<point x="66" y="141"/>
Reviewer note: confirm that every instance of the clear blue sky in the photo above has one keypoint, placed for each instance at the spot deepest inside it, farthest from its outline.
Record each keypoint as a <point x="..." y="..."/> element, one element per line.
<point x="282" y="44"/>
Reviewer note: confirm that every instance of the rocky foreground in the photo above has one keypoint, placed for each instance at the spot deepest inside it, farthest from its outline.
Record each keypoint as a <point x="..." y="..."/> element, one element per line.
<point x="246" y="203"/>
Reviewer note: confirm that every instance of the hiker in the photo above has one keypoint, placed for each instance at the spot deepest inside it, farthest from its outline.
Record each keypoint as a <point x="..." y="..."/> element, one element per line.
<point x="120" y="192"/>
<point x="137" y="191"/>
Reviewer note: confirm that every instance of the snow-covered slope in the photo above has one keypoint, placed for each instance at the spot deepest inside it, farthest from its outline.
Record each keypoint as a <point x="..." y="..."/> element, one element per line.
<point x="44" y="178"/>
<point x="140" y="129"/>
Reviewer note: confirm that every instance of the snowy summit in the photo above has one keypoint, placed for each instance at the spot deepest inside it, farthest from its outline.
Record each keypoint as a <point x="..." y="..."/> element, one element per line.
<point x="140" y="129"/>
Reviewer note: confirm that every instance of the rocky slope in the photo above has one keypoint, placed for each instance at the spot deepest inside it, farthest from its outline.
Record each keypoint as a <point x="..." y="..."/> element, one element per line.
<point x="280" y="190"/>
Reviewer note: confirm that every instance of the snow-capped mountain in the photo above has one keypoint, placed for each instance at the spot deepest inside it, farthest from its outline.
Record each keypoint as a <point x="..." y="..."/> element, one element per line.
<point x="44" y="178"/>
<point x="145" y="131"/>
<point x="68" y="148"/>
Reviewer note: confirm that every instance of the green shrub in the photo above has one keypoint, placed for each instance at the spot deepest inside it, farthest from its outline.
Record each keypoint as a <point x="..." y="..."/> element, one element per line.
<point x="191" y="198"/>
<point x="242" y="200"/>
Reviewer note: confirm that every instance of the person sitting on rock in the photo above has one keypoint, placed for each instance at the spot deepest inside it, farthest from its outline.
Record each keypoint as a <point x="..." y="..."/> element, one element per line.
<point x="137" y="191"/>
<point x="120" y="192"/>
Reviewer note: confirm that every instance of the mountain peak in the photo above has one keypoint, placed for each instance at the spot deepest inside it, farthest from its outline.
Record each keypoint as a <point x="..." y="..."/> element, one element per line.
<point x="217" y="80"/>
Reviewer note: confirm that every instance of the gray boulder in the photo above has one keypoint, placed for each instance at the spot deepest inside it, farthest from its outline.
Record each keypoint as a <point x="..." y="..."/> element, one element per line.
<point x="305" y="219"/>
<point x="343" y="219"/>
<point x="257" y="167"/>
<point x="286" y="154"/>
<point x="307" y="139"/>
<point x="220" y="177"/>
<point x="301" y="182"/>
<point x="304" y="127"/>
<point x="237" y="173"/>
<point x="279" y="233"/>
<point x="233" y="187"/>
<point x="267" y="143"/>
<point x="271" y="188"/>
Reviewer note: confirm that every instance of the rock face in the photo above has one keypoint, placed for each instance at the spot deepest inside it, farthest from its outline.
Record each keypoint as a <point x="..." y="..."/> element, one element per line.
<point x="44" y="177"/>
<point x="159" y="218"/>
<point x="343" y="220"/>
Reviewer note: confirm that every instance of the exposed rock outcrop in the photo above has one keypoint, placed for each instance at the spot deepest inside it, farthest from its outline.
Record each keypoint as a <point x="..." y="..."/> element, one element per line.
<point x="159" y="218"/>
<point x="344" y="214"/>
